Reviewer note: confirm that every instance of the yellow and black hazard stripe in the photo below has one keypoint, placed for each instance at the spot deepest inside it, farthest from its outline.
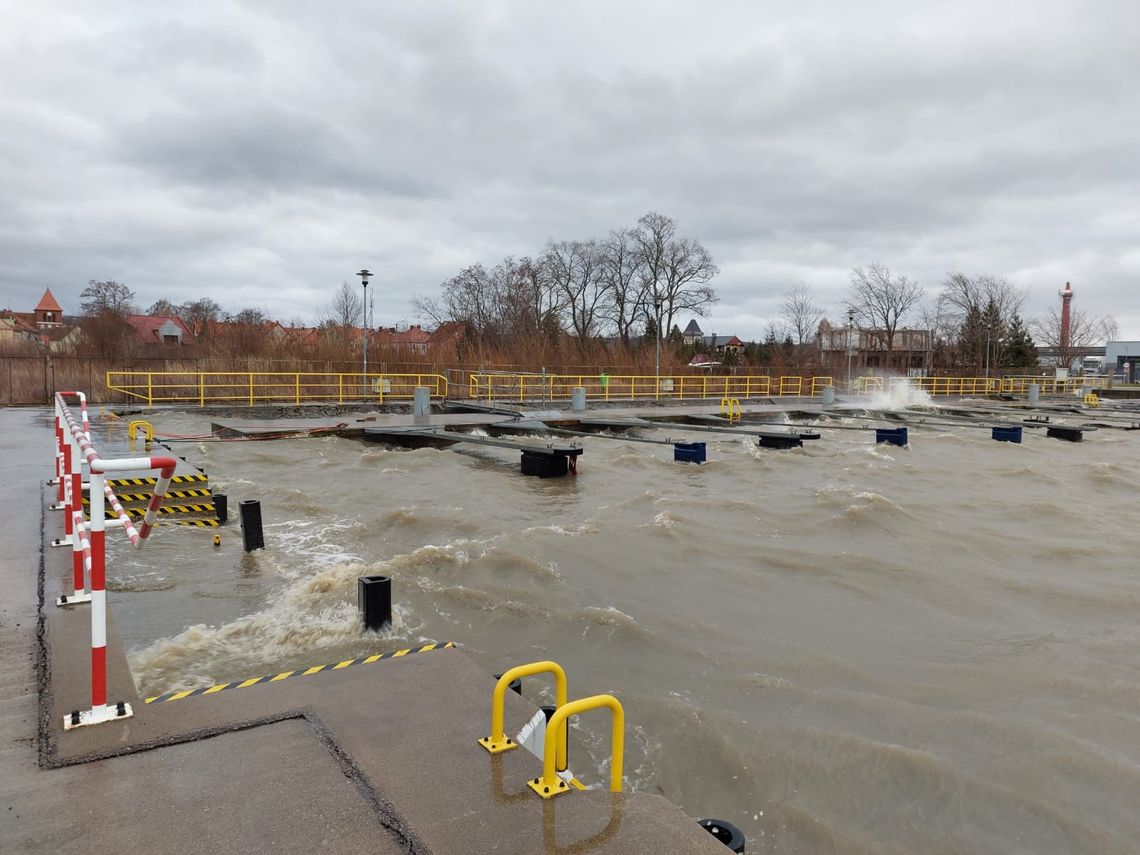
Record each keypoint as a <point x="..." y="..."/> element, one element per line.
<point x="164" y="510"/>
<point x="300" y="672"/>
<point x="149" y="482"/>
<point x="199" y="523"/>
<point x="145" y="497"/>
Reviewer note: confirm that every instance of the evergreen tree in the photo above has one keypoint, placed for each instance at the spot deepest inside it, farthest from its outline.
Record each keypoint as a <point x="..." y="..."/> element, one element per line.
<point x="972" y="340"/>
<point x="1020" y="349"/>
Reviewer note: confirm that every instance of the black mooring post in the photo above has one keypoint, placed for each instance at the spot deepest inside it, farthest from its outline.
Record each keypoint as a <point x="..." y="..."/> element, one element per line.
<point x="374" y="599"/>
<point x="221" y="507"/>
<point x="515" y="685"/>
<point x="251" y="533"/>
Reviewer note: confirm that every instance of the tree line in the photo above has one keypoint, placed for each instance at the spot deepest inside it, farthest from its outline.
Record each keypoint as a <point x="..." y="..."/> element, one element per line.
<point x="619" y="286"/>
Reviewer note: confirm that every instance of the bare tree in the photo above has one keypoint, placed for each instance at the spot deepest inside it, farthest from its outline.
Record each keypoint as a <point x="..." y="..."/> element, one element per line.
<point x="345" y="310"/>
<point x="802" y="313"/>
<point x="105" y="308"/>
<point x="1085" y="331"/>
<point x="542" y="300"/>
<point x="621" y="265"/>
<point x="575" y="268"/>
<point x="107" y="297"/>
<point x="199" y="314"/>
<point x="674" y="271"/>
<point x="163" y="308"/>
<point x="689" y="268"/>
<point x="881" y="300"/>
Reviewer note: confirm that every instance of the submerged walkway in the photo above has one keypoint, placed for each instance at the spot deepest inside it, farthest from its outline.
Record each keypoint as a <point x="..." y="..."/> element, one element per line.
<point x="378" y="758"/>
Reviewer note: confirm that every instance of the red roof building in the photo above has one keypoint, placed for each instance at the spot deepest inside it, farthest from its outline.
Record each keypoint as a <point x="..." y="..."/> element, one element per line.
<point x="159" y="329"/>
<point x="48" y="312"/>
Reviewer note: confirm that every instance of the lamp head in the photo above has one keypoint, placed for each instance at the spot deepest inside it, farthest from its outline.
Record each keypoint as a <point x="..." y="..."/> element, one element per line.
<point x="364" y="276"/>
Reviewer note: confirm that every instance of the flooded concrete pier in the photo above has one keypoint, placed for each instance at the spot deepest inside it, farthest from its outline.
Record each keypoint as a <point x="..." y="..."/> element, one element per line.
<point x="378" y="757"/>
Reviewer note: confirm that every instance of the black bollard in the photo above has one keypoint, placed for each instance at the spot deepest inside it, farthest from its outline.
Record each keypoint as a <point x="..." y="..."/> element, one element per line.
<point x="221" y="507"/>
<point x="515" y="685"/>
<point x="374" y="599"/>
<point x="548" y="710"/>
<point x="251" y="533"/>
<point x="725" y="832"/>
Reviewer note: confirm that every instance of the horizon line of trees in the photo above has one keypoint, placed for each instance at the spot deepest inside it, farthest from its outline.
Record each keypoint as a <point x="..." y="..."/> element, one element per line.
<point x="621" y="286"/>
<point x="602" y="298"/>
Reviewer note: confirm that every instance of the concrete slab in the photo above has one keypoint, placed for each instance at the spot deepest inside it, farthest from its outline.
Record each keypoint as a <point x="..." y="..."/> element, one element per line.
<point x="289" y="796"/>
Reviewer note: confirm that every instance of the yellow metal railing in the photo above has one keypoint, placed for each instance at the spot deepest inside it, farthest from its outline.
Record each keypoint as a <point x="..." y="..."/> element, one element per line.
<point x="498" y="741"/>
<point x="990" y="385"/>
<point x="730" y="409"/>
<point x="550" y="784"/>
<point x="623" y="387"/>
<point x="269" y="387"/>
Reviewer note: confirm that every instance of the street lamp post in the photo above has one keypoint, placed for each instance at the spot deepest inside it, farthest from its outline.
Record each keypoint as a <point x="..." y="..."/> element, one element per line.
<point x="364" y="276"/>
<point x="850" y="345"/>
<point x="657" y="363"/>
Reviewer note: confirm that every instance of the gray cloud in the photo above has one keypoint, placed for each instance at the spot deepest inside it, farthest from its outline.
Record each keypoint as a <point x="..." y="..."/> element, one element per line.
<point x="260" y="153"/>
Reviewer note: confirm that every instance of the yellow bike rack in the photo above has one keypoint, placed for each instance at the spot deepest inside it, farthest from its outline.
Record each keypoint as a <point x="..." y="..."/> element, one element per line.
<point x="1091" y="400"/>
<point x="498" y="741"/>
<point x="148" y="432"/>
<point x="730" y="408"/>
<point x="550" y="785"/>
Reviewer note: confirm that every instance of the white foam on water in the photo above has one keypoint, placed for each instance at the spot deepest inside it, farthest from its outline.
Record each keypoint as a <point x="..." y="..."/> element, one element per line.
<point x="901" y="396"/>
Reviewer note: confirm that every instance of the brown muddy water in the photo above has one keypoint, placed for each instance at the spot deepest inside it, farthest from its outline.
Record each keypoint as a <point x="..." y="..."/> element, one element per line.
<point x="844" y="648"/>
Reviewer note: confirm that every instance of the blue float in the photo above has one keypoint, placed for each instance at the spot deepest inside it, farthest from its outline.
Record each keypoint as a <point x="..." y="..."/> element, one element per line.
<point x="689" y="452"/>
<point x="893" y="436"/>
<point x="1008" y="434"/>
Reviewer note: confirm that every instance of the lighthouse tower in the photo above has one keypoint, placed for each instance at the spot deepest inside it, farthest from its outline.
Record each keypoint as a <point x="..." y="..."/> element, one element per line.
<point x="1066" y="299"/>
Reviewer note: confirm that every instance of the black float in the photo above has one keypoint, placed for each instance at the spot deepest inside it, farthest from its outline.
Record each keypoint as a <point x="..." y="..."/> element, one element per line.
<point x="550" y="462"/>
<point x="374" y="599"/>
<point x="725" y="832"/>
<point x="779" y="441"/>
<point x="1072" y="434"/>
<point x="252" y="535"/>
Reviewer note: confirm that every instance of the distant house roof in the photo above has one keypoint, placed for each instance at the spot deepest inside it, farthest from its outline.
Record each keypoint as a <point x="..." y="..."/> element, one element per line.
<point x="153" y="329"/>
<point x="19" y="321"/>
<point x="692" y="328"/>
<point x="724" y="341"/>
<point x="48" y="303"/>
<point x="447" y="332"/>
<point x="414" y="337"/>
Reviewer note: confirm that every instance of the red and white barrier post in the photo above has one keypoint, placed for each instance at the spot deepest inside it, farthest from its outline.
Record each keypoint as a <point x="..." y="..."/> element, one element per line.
<point x="91" y="551"/>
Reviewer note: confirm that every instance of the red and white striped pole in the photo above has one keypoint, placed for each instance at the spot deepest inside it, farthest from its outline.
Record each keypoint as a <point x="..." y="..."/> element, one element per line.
<point x="58" y="449"/>
<point x="71" y="484"/>
<point x="81" y="561"/>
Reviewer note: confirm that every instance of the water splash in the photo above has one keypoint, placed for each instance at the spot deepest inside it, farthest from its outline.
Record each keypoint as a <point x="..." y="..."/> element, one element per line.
<point x="900" y="396"/>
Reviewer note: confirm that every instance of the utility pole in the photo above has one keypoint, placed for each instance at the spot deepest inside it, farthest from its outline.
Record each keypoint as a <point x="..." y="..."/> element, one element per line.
<point x="850" y="345"/>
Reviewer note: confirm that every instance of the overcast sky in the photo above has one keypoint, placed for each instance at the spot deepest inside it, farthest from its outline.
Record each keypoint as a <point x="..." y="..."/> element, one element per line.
<point x="262" y="152"/>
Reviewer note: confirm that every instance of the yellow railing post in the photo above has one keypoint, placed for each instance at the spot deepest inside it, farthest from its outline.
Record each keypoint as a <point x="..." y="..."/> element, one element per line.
<point x="550" y="785"/>
<point x="201" y="389"/>
<point x="149" y="389"/>
<point x="498" y="741"/>
<point x="251" y="388"/>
